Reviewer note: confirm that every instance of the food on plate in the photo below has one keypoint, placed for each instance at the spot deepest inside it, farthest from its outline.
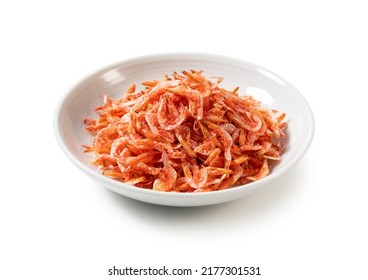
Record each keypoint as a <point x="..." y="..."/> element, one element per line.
<point x="185" y="133"/>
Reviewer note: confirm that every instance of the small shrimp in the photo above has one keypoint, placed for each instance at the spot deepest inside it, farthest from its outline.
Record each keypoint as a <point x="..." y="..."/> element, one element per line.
<point x="104" y="162"/>
<point x="203" y="83"/>
<point x="254" y="147"/>
<point x="205" y="149"/>
<point x="162" y="136"/>
<point x="215" y="120"/>
<point x="156" y="91"/>
<point x="94" y="126"/>
<point x="207" y="135"/>
<point x="106" y="136"/>
<point x="238" y="171"/>
<point x="227" y="140"/>
<point x="266" y="146"/>
<point x="216" y="111"/>
<point x="199" y="178"/>
<point x="115" y="175"/>
<point x="178" y="155"/>
<point x="117" y="147"/>
<point x="228" y="127"/>
<point x="196" y="179"/>
<point x="239" y="160"/>
<point x="272" y="154"/>
<point x="212" y="157"/>
<point x="235" y="135"/>
<point x="151" y="119"/>
<point x="149" y="144"/>
<point x="218" y="171"/>
<point x="89" y="121"/>
<point x="262" y="173"/>
<point x="146" y="169"/>
<point x="242" y="137"/>
<point x="235" y="150"/>
<point x="151" y="84"/>
<point x="184" y="144"/>
<point x="135" y="181"/>
<point x="163" y="116"/>
<point x="195" y="100"/>
<point x="281" y="117"/>
<point x="128" y="163"/>
<point x="166" y="179"/>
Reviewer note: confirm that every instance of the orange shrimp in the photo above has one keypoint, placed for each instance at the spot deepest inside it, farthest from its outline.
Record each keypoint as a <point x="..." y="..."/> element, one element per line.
<point x="167" y="177"/>
<point x="163" y="113"/>
<point x="185" y="133"/>
<point x="106" y="136"/>
<point x="262" y="173"/>
<point x="104" y="161"/>
<point x="227" y="140"/>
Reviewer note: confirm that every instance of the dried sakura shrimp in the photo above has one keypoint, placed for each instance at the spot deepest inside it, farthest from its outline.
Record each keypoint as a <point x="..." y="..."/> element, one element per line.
<point x="185" y="134"/>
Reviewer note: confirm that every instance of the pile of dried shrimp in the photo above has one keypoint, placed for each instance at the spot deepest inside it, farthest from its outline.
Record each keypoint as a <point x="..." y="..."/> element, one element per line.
<point x="185" y="134"/>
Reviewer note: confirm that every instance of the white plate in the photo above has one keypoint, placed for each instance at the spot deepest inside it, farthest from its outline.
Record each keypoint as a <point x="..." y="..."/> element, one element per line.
<point x="273" y="91"/>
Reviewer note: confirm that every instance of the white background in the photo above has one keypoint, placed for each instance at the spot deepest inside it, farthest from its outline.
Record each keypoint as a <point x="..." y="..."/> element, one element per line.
<point x="56" y="223"/>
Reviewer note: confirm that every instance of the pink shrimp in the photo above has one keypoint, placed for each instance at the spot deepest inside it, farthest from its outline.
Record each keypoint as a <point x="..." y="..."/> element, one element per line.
<point x="205" y="149"/>
<point x="227" y="140"/>
<point x="194" y="97"/>
<point x="106" y="136"/>
<point x="262" y="173"/>
<point x="151" y="119"/>
<point x="162" y="114"/>
<point x="167" y="177"/>
<point x="104" y="161"/>
<point x="185" y="134"/>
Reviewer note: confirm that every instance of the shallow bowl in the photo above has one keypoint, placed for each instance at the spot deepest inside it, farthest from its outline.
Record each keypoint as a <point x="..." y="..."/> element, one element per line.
<point x="273" y="91"/>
